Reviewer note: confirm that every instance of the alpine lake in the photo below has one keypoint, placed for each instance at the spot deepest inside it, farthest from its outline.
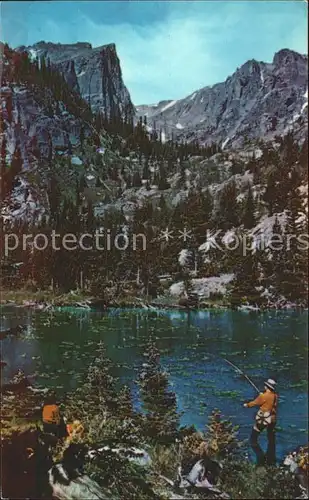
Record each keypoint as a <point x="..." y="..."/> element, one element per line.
<point x="56" y="348"/>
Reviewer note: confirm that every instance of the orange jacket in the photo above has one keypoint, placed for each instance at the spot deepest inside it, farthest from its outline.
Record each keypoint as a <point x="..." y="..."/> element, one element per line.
<point x="266" y="400"/>
<point x="51" y="414"/>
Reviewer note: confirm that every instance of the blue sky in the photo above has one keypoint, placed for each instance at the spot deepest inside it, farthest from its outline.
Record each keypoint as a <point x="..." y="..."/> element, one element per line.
<point x="167" y="49"/>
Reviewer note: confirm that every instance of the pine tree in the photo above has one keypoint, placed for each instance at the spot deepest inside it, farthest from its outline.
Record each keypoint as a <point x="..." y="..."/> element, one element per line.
<point x="136" y="182"/>
<point x="54" y="197"/>
<point x="156" y="178"/>
<point x="163" y="184"/>
<point x="247" y="276"/>
<point x="128" y="182"/>
<point x="198" y="211"/>
<point x="17" y="163"/>
<point x="291" y="264"/>
<point x="163" y="213"/>
<point x="125" y="403"/>
<point x="237" y="167"/>
<point x="146" y="172"/>
<point x="82" y="137"/>
<point x="249" y="210"/>
<point x="81" y="183"/>
<point x="221" y="435"/>
<point x="277" y="255"/>
<point x="50" y="150"/>
<point x="3" y="169"/>
<point x="100" y="379"/>
<point x="159" y="402"/>
<point x="303" y="155"/>
<point x="57" y="110"/>
<point x="227" y="216"/>
<point x="90" y="217"/>
<point x="9" y="107"/>
<point x="207" y="203"/>
<point x="290" y="150"/>
<point x="294" y="202"/>
<point x="98" y="395"/>
<point x="182" y="178"/>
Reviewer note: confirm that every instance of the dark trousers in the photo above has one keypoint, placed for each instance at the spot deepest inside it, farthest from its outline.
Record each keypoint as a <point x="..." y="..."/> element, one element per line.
<point x="270" y="457"/>
<point x="58" y="430"/>
<point x="50" y="428"/>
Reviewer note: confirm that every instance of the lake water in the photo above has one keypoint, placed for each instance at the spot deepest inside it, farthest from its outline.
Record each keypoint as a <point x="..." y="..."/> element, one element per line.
<point x="58" y="346"/>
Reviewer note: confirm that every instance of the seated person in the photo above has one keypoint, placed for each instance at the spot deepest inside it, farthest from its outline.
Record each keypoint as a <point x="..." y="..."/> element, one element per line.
<point x="53" y="422"/>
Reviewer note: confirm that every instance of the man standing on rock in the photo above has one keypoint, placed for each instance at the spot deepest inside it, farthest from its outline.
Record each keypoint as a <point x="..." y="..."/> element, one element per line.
<point x="265" y="419"/>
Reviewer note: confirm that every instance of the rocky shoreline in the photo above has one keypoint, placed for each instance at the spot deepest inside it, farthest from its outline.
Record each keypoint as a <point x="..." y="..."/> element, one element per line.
<point x="138" y="303"/>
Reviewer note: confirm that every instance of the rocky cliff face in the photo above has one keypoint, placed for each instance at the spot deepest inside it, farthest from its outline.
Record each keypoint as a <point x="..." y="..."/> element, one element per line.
<point x="38" y="135"/>
<point x="260" y="100"/>
<point x="94" y="72"/>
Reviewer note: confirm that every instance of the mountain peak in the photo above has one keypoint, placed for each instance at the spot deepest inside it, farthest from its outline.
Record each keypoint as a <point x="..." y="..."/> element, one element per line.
<point x="50" y="45"/>
<point x="110" y="46"/>
<point x="258" y="100"/>
<point x="287" y="55"/>
<point x="249" y="67"/>
<point x="94" y="72"/>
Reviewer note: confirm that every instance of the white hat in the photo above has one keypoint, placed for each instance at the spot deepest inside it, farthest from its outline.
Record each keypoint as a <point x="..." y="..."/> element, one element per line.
<point x="271" y="384"/>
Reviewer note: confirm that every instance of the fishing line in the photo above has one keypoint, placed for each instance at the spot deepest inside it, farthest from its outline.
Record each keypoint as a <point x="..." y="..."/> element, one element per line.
<point x="238" y="370"/>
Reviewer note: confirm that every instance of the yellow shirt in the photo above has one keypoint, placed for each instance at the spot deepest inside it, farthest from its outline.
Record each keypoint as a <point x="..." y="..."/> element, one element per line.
<point x="266" y="401"/>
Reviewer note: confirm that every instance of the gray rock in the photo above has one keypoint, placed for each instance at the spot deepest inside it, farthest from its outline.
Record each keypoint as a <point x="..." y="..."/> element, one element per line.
<point x="79" y="488"/>
<point x="94" y="72"/>
<point x="260" y="100"/>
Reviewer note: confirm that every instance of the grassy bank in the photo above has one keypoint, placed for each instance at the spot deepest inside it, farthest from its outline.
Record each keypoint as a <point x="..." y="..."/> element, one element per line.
<point x="24" y="296"/>
<point x="48" y="298"/>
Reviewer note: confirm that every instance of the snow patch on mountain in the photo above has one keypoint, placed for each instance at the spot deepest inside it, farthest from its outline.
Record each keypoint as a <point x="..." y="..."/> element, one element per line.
<point x="169" y="105"/>
<point x="305" y="105"/>
<point x="224" y="143"/>
<point x="33" y="54"/>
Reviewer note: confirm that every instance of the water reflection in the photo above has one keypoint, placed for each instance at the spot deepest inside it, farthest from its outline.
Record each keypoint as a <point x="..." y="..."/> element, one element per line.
<point x="58" y="346"/>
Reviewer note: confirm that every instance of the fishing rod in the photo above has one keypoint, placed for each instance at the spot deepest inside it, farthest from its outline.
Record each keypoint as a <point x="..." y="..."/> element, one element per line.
<point x="238" y="370"/>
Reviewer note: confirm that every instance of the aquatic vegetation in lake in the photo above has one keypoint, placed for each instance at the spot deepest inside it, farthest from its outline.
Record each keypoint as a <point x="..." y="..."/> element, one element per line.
<point x="302" y="384"/>
<point x="227" y="394"/>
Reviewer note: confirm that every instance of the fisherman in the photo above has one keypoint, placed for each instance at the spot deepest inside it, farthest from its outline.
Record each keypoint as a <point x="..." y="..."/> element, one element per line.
<point x="53" y="422"/>
<point x="265" y="419"/>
